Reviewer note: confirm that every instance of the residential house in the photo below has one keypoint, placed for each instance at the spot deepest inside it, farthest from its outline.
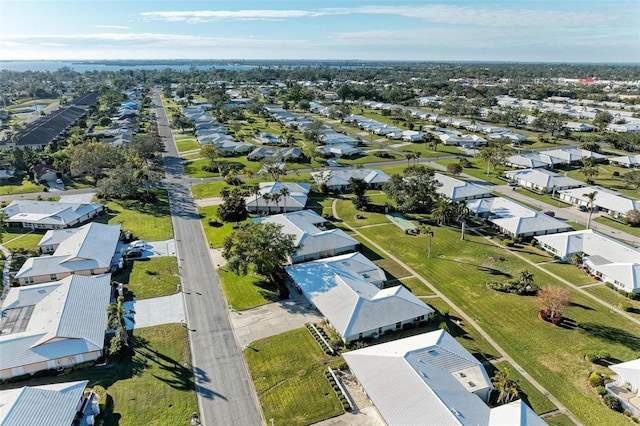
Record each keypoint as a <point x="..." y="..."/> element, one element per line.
<point x="294" y="201"/>
<point x="606" y="200"/>
<point x="606" y="258"/>
<point x="63" y="404"/>
<point x="459" y="190"/>
<point x="542" y="180"/>
<point x="266" y="139"/>
<point x="50" y="214"/>
<point x="514" y="219"/>
<point x="626" y="161"/>
<point x="533" y="160"/>
<point x="348" y="291"/>
<point x="49" y="129"/>
<point x="44" y="173"/>
<point x="338" y="180"/>
<point x="54" y="325"/>
<point x="431" y="379"/>
<point x="90" y="250"/>
<point x="628" y="375"/>
<point x="412" y="136"/>
<point x="312" y="238"/>
<point x="574" y="155"/>
<point x="579" y="127"/>
<point x="338" y="150"/>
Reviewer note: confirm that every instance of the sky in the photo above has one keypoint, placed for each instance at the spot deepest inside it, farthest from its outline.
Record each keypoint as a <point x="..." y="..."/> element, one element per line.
<point x="593" y="31"/>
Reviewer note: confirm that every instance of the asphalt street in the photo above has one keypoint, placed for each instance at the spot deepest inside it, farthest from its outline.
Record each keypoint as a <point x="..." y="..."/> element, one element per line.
<point x="225" y="393"/>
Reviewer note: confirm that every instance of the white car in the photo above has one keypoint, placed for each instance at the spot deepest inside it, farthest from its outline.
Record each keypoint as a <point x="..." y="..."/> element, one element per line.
<point x="59" y="181"/>
<point x="138" y="244"/>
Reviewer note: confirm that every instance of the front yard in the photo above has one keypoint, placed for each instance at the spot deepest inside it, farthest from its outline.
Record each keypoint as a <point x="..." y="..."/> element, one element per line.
<point x="288" y="373"/>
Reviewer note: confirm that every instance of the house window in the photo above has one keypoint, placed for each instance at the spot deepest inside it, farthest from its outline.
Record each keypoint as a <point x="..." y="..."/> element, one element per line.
<point x="92" y="272"/>
<point x="398" y="325"/>
<point x="28" y="280"/>
<point x="53" y="277"/>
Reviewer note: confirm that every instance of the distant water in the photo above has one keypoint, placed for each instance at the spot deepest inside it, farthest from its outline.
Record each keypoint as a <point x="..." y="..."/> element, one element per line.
<point x="81" y="66"/>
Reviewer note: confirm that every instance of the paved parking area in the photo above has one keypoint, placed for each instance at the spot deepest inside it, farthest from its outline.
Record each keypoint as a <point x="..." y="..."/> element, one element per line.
<point x="156" y="311"/>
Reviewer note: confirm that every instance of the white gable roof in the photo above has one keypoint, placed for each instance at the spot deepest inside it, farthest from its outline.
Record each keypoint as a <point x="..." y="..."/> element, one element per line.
<point x="544" y="178"/>
<point x="337" y="178"/>
<point x="297" y="197"/>
<point x="457" y="189"/>
<point x="629" y="371"/>
<point x="605" y="198"/>
<point x="339" y="287"/>
<point x="590" y="242"/>
<point x="54" y="404"/>
<point x="67" y="317"/>
<point x="48" y="212"/>
<point x="419" y="380"/>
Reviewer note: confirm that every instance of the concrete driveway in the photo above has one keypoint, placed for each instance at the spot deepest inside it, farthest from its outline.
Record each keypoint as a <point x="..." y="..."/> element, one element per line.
<point x="155" y="311"/>
<point x="273" y="318"/>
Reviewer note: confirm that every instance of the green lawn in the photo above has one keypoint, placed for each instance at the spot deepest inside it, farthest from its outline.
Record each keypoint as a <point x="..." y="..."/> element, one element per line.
<point x="560" y="420"/>
<point x="147" y="221"/>
<point x="417" y="287"/>
<point x="605" y="220"/>
<point x="569" y="272"/>
<point x="288" y="374"/>
<point x="606" y="179"/>
<point x="553" y="355"/>
<point x="152" y="277"/>
<point x="478" y="170"/>
<point x="611" y="296"/>
<point x="347" y="211"/>
<point x="246" y="292"/>
<point x="529" y="394"/>
<point x="187" y="145"/>
<point x="19" y="185"/>
<point x="545" y="198"/>
<point x="22" y="238"/>
<point x="215" y="235"/>
<point x="207" y="190"/>
<point x="152" y="387"/>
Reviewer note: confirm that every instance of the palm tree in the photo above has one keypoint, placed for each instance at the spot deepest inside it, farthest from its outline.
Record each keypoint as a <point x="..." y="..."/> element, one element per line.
<point x="429" y="233"/>
<point x="462" y="214"/>
<point x="284" y="192"/>
<point x="276" y="197"/>
<point x="410" y="156"/>
<point x="591" y="196"/>
<point x="267" y="198"/>
<point x="116" y="320"/>
<point x="506" y="386"/>
<point x="255" y="190"/>
<point x="442" y="211"/>
<point x="526" y="278"/>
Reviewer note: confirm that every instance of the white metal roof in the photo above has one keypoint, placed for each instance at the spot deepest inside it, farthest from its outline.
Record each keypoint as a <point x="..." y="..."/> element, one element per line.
<point x="351" y="303"/>
<point x="297" y="197"/>
<point x="605" y="198"/>
<point x="544" y="178"/>
<point x="422" y="379"/>
<point x="309" y="238"/>
<point x="54" y="404"/>
<point x="457" y="189"/>
<point x="68" y="317"/>
<point x="516" y="218"/>
<point x="48" y="212"/>
<point x="92" y="246"/>
<point x="629" y="371"/>
<point x="590" y="242"/>
<point x="335" y="178"/>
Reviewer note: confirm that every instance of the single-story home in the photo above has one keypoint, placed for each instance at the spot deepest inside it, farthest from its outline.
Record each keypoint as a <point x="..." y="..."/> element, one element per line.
<point x="44" y="173"/>
<point x="54" y="325"/>
<point x="462" y="140"/>
<point x="574" y="155"/>
<point x="266" y="139"/>
<point x="338" y="150"/>
<point x="50" y="214"/>
<point x="604" y="257"/>
<point x="56" y="404"/>
<point x="431" y="379"/>
<point x="628" y="375"/>
<point x="348" y="291"/>
<point x="533" y="160"/>
<point x="88" y="251"/>
<point x="412" y="136"/>
<point x="312" y="238"/>
<point x="627" y="161"/>
<point x="459" y="190"/>
<point x="606" y="200"/>
<point x="294" y="201"/>
<point x="575" y="126"/>
<point x="514" y="219"/>
<point x="338" y="180"/>
<point x="542" y="180"/>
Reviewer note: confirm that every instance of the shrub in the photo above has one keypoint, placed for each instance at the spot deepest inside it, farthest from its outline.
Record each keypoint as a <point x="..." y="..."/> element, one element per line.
<point x="625" y="306"/>
<point x="601" y="390"/>
<point x="612" y="402"/>
<point x="596" y="380"/>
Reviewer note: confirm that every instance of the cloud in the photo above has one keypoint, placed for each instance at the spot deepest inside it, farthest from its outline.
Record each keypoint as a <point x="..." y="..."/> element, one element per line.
<point x="112" y="27"/>
<point x="436" y="13"/>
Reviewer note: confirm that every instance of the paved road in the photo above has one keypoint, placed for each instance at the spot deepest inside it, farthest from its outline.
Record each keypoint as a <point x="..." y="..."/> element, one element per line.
<point x="225" y="392"/>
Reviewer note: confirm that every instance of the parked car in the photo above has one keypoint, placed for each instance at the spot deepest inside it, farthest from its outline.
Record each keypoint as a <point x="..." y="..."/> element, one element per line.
<point x="550" y="213"/>
<point x="132" y="254"/>
<point x="582" y="208"/>
<point x="138" y="244"/>
<point x="59" y="181"/>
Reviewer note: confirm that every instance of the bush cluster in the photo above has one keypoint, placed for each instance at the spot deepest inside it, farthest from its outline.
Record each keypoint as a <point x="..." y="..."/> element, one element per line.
<point x="317" y="333"/>
<point x="596" y="356"/>
<point x="514" y="287"/>
<point x="341" y="396"/>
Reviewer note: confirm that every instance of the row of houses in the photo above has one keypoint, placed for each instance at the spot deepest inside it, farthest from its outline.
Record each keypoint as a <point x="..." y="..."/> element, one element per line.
<point x="553" y="158"/>
<point x="608" y="259"/>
